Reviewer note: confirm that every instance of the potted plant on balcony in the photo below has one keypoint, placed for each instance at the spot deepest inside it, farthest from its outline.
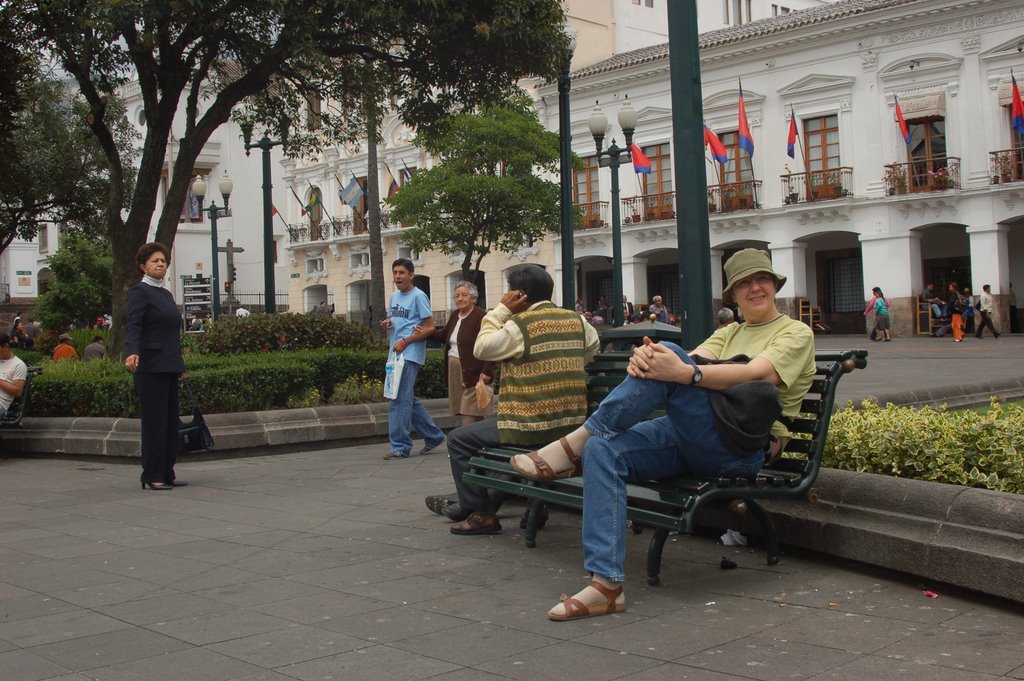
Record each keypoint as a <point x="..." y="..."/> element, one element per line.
<point x="939" y="179"/>
<point x="895" y="179"/>
<point x="791" y="194"/>
<point x="1004" y="167"/>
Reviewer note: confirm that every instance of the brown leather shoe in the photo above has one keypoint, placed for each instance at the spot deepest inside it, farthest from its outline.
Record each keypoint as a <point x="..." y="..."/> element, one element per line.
<point x="477" y="524"/>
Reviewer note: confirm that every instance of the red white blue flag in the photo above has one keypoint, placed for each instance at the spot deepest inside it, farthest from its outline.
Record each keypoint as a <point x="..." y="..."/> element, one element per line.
<point x="746" y="139"/>
<point x="718" y="151"/>
<point x="1017" y="111"/>
<point x="903" y="123"/>
<point x="641" y="164"/>
<point x="791" y="140"/>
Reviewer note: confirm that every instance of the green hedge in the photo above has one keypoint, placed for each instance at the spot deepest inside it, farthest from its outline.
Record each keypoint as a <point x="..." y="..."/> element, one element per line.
<point x="957" y="447"/>
<point x="239" y="382"/>
<point x="266" y="332"/>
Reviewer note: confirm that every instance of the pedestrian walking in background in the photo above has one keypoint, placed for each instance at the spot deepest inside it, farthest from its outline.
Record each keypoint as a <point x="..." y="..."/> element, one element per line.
<point x="985" y="307"/>
<point x="880" y="306"/>
<point x="955" y="306"/>
<point x="969" y="309"/>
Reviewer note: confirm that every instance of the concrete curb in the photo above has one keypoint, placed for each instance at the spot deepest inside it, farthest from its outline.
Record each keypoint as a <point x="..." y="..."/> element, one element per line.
<point x="964" y="395"/>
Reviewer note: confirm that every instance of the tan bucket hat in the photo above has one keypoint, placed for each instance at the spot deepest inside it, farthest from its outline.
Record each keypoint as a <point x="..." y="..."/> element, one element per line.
<point x="744" y="263"/>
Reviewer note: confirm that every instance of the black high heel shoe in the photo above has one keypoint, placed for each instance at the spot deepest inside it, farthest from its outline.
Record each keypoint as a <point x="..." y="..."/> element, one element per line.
<point x="156" y="485"/>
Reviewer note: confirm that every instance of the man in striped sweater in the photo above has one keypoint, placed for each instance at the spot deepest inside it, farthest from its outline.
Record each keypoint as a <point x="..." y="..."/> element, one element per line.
<point x="543" y="397"/>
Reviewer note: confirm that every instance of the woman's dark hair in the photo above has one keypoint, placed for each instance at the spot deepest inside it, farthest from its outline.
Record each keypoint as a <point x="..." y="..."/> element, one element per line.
<point x="878" y="292"/>
<point x="534" y="281"/>
<point x="146" y="252"/>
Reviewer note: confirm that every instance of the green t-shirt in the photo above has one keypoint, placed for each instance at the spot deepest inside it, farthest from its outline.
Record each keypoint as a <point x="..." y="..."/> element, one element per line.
<point x="785" y="342"/>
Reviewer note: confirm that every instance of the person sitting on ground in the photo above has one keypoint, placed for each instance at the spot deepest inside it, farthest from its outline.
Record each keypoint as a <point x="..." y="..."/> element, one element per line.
<point x="688" y="438"/>
<point x="725" y="317"/>
<point x="64" y="349"/>
<point x="12" y="375"/>
<point x="542" y="349"/>
<point x="94" y="350"/>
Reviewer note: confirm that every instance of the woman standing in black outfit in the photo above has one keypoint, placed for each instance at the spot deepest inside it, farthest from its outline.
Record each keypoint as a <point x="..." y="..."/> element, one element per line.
<point x="153" y="355"/>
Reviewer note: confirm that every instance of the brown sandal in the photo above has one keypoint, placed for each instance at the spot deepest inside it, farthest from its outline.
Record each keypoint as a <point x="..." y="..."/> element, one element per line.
<point x="575" y="609"/>
<point x="544" y="470"/>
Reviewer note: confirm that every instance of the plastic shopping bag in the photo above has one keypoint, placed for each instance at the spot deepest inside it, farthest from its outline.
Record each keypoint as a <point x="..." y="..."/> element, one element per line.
<point x="393" y="374"/>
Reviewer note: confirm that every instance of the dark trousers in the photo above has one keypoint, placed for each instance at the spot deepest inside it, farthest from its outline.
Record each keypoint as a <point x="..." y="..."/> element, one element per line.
<point x="158" y="407"/>
<point x="464" y="443"/>
<point x="986" y="320"/>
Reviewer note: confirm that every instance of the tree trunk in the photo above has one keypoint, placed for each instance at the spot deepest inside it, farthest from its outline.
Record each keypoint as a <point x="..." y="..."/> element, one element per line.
<point x="376" y="294"/>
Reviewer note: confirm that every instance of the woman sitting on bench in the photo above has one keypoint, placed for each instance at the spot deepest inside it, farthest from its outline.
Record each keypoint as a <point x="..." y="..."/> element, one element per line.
<point x="686" y="440"/>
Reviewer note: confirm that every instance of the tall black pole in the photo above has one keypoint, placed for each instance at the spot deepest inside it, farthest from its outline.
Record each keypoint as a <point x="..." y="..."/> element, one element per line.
<point x="270" y="302"/>
<point x="565" y="153"/>
<point x="692" y="227"/>
<point x="616" y="301"/>
<point x="214" y="274"/>
<point x="265" y="144"/>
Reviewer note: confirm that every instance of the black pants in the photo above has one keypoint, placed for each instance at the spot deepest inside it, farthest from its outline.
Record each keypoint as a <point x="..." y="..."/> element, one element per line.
<point x="985" y="321"/>
<point x="464" y="443"/>
<point x="158" y="407"/>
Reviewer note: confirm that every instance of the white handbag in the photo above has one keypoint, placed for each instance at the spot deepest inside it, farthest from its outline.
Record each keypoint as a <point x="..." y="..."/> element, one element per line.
<point x="393" y="374"/>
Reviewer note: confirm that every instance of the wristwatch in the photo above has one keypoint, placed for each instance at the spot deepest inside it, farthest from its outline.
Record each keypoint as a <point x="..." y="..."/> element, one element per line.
<point x="697" y="376"/>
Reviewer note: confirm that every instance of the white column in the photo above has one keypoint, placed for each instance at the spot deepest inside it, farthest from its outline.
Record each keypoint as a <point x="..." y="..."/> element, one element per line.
<point x="892" y="263"/>
<point x="634" y="279"/>
<point x="788" y="259"/>
<point x="990" y="260"/>
<point x="716" y="274"/>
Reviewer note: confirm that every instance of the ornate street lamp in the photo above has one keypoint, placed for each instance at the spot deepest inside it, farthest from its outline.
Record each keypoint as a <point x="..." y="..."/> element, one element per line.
<point x="266" y="144"/>
<point x="612" y="157"/>
<point x="214" y="211"/>
<point x="565" y="154"/>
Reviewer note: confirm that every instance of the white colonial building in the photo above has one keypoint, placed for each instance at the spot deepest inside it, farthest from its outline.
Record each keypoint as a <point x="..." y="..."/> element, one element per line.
<point x="856" y="208"/>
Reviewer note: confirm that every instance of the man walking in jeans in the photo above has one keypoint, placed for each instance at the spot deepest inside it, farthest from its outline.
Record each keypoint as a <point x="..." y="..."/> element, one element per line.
<point x="408" y="308"/>
<point x="986" y="312"/>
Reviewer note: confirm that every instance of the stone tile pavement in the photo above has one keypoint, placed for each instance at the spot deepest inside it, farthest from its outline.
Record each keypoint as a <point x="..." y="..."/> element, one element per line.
<point x="326" y="565"/>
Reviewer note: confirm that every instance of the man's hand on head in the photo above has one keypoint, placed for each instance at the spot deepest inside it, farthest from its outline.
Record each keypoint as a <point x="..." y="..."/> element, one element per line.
<point x="516" y="301"/>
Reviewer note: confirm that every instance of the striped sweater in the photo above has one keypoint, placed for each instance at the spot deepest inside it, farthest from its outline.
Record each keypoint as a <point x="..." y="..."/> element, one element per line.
<point x="544" y="392"/>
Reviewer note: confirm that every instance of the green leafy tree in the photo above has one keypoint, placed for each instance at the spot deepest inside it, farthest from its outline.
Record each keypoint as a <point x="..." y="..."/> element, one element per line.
<point x="80" y="291"/>
<point x="205" y="59"/>
<point x="485" y="195"/>
<point x="55" y="170"/>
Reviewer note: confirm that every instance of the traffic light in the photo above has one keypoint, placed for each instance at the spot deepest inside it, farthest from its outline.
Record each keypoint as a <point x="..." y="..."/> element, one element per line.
<point x="234" y="274"/>
<point x="227" y="287"/>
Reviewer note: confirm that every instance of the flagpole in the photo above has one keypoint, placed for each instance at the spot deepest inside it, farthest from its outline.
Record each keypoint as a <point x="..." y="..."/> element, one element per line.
<point x="298" y="199"/>
<point x="803" y="156"/>
<point x="750" y="153"/>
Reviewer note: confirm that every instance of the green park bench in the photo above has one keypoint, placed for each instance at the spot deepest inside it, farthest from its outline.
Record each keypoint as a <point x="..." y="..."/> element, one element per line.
<point x="671" y="505"/>
<point x="19" y="407"/>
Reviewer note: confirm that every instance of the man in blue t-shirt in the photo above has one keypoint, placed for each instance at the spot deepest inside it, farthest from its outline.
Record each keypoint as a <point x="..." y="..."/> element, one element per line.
<point x="409" y="308"/>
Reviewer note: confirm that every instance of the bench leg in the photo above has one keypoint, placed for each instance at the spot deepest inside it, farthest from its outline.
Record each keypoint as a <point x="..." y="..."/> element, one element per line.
<point x="654" y="556"/>
<point x="532" y="522"/>
<point x="771" y="537"/>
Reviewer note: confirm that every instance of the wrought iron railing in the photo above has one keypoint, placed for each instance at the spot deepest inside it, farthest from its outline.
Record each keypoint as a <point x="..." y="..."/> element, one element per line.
<point x="734" y="196"/>
<point x="1007" y="165"/>
<point x="649" y="208"/>
<point x="925" y="175"/>
<point x="591" y="215"/>
<point x="332" y="228"/>
<point x="816" y="185"/>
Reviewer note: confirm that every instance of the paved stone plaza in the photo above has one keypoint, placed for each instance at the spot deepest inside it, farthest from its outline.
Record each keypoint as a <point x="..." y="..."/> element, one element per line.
<point x="327" y="565"/>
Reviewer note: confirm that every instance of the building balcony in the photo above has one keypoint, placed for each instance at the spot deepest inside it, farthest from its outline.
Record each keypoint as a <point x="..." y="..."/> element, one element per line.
<point x="331" y="228"/>
<point x="816" y="185"/>
<point x="927" y="175"/>
<point x="649" y="208"/>
<point x="733" y="196"/>
<point x="1006" y="165"/>
<point x="591" y="215"/>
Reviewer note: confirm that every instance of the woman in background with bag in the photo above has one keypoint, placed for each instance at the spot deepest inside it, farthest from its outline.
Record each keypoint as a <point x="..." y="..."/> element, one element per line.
<point x="470" y="381"/>
<point x="152" y="345"/>
<point x="880" y="305"/>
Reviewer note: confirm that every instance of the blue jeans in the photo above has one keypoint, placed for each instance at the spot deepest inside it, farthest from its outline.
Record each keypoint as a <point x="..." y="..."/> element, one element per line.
<point x="406" y="412"/>
<point x="626" y="449"/>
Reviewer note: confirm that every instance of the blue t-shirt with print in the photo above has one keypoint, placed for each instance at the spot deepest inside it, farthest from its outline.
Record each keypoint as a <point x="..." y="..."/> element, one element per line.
<point x="406" y="310"/>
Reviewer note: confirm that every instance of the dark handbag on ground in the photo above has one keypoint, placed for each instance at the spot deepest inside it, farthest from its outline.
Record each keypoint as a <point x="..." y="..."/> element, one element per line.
<point x="194" y="435"/>
<point x="744" y="413"/>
